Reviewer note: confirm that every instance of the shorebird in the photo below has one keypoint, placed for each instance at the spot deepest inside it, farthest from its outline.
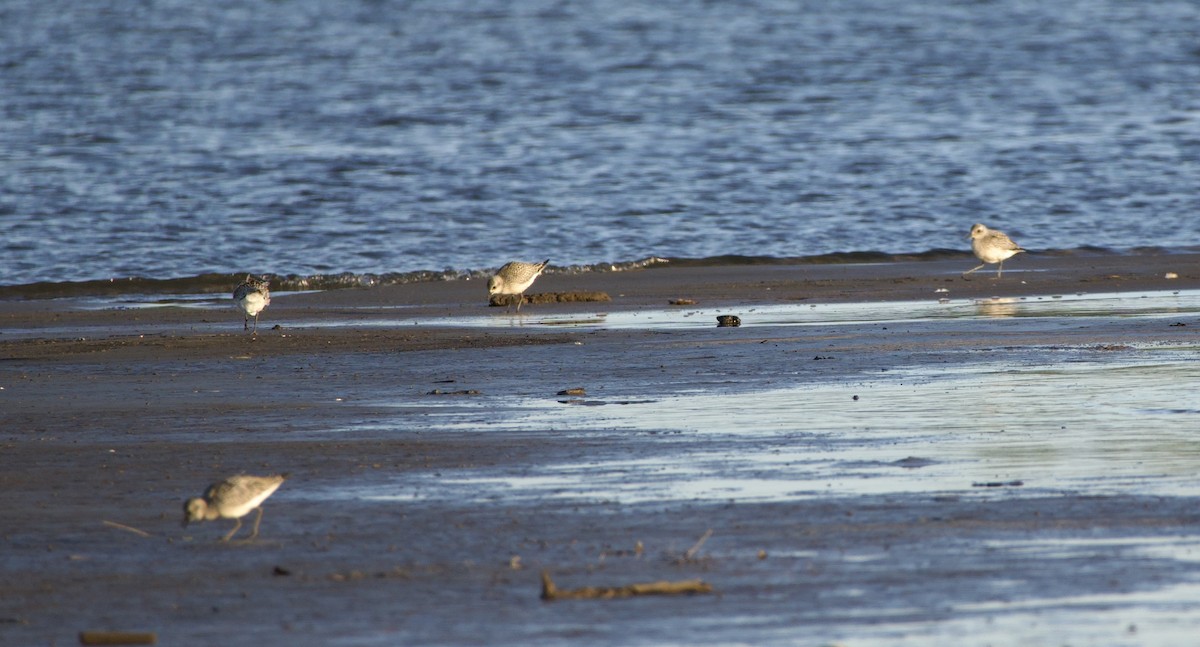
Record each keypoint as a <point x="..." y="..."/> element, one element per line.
<point x="515" y="278"/>
<point x="991" y="246"/>
<point x="251" y="297"/>
<point x="232" y="498"/>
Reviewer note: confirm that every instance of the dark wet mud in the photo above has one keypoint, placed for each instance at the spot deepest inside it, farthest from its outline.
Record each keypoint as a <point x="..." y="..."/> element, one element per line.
<point x="899" y="473"/>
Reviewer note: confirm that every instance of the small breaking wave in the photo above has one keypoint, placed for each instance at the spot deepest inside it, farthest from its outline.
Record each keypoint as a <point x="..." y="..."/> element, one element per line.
<point x="214" y="283"/>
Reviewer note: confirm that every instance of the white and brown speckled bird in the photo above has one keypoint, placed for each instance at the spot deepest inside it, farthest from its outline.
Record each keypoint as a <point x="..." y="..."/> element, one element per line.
<point x="251" y="297"/>
<point x="232" y="498"/>
<point x="991" y="246"/>
<point x="515" y="278"/>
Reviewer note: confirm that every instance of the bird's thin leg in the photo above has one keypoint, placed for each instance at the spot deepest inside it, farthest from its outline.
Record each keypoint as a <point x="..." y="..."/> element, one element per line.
<point x="520" y="300"/>
<point x="234" y="531"/>
<point x="255" y="332"/>
<point x="257" y="520"/>
<point x="972" y="270"/>
<point x="1000" y="269"/>
<point x="246" y="323"/>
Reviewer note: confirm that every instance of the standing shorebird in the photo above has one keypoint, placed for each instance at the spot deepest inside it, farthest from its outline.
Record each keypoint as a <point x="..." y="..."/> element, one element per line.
<point x="515" y="278"/>
<point x="232" y="498"/>
<point x="991" y="246"/>
<point x="251" y="297"/>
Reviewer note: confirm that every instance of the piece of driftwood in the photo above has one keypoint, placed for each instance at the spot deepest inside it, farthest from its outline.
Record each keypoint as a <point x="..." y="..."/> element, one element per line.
<point x="117" y="638"/>
<point x="550" y="592"/>
<point x="506" y="300"/>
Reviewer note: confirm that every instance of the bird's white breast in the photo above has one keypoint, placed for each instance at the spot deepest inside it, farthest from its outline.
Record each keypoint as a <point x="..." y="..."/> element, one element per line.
<point x="253" y="303"/>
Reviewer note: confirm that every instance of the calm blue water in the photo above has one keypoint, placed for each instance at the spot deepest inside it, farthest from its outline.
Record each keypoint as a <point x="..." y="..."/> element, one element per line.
<point x="170" y="138"/>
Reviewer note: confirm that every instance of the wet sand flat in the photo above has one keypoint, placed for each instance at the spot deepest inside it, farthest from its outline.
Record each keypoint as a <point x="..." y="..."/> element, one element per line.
<point x="884" y="454"/>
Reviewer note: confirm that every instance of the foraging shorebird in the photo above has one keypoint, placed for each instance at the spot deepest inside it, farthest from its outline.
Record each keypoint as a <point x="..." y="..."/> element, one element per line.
<point x="251" y="297"/>
<point x="515" y="278"/>
<point x="232" y="498"/>
<point x="991" y="246"/>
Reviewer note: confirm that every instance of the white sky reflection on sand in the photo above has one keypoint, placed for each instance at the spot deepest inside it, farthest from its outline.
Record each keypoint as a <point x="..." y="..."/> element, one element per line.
<point x="1132" y="304"/>
<point x="1095" y="427"/>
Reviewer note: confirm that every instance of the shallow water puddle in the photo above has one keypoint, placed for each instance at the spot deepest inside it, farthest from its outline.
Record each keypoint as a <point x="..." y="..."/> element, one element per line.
<point x="1131" y="304"/>
<point x="205" y="301"/>
<point x="1109" y="425"/>
<point x="1135" y="304"/>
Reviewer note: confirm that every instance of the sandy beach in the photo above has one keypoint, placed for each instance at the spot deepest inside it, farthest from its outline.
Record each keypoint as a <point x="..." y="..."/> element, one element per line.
<point x="885" y="454"/>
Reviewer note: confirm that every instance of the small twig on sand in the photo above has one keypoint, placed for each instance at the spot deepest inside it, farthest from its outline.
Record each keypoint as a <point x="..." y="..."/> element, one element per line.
<point x="694" y="549"/>
<point x="122" y="526"/>
<point x="550" y="592"/>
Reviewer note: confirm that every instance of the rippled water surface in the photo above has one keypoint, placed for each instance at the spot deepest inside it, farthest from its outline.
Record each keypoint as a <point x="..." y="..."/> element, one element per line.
<point x="173" y="139"/>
